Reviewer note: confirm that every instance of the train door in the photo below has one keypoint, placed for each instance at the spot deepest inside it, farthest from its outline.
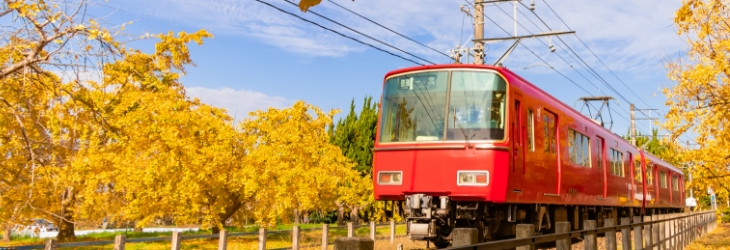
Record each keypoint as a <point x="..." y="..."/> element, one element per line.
<point x="550" y="152"/>
<point x="601" y="158"/>
<point x="630" y="184"/>
<point x="518" y="147"/>
<point x="638" y="177"/>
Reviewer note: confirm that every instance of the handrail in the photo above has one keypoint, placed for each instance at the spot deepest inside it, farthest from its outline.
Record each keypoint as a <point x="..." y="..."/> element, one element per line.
<point x="512" y="243"/>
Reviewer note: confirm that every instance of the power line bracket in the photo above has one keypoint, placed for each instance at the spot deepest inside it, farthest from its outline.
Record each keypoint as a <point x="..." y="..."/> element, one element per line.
<point x="506" y="54"/>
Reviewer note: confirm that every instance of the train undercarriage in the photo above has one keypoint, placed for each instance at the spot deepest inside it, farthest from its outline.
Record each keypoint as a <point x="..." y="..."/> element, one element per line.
<point x="434" y="218"/>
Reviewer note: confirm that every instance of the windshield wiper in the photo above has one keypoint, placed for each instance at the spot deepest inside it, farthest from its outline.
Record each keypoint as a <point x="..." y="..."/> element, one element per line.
<point x="457" y="122"/>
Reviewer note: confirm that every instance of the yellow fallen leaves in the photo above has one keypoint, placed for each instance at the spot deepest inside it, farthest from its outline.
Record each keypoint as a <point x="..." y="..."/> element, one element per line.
<point x="304" y="5"/>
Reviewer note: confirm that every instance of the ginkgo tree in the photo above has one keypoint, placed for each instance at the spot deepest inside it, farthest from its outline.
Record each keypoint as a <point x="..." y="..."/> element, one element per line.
<point x="293" y="164"/>
<point x="698" y="101"/>
<point x="129" y="144"/>
<point x="46" y="122"/>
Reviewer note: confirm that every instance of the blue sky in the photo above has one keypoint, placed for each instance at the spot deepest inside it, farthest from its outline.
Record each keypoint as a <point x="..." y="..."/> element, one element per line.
<point x="263" y="58"/>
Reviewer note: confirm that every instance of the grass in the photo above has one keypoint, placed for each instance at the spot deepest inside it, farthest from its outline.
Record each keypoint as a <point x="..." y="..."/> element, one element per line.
<point x="274" y="239"/>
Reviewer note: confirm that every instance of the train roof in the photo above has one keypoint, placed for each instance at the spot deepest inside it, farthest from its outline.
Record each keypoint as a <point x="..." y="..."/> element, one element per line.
<point x="506" y="71"/>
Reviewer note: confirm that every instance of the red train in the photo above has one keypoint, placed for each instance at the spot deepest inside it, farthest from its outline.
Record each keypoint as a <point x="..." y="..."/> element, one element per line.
<point x="480" y="147"/>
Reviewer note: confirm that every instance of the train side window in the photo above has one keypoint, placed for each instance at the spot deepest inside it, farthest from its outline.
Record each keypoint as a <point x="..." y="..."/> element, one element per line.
<point x="600" y="151"/>
<point x="649" y="174"/>
<point x="578" y="148"/>
<point x="675" y="183"/>
<point x="518" y="121"/>
<point x="550" y="129"/>
<point x="637" y="169"/>
<point x="530" y="130"/>
<point x="617" y="163"/>
<point x="663" y="179"/>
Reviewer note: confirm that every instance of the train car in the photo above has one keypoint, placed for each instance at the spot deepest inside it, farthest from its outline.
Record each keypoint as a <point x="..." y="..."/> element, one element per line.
<point x="478" y="146"/>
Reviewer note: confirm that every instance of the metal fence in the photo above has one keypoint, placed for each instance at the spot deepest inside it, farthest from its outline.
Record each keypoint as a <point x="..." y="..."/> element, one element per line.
<point x="177" y="238"/>
<point x="667" y="231"/>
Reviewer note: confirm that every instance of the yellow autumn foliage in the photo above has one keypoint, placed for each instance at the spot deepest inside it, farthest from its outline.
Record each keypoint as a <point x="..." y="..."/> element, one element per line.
<point x="304" y="5"/>
<point x="698" y="102"/>
<point x="127" y="143"/>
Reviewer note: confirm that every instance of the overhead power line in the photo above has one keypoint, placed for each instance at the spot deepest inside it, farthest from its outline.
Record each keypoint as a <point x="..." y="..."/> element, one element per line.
<point x="338" y="33"/>
<point x="594" y="54"/>
<point x="557" y="71"/>
<point x="547" y="45"/>
<point x="538" y="57"/>
<point x="593" y="72"/>
<point x="382" y="26"/>
<point x="589" y="49"/>
<point x="363" y="34"/>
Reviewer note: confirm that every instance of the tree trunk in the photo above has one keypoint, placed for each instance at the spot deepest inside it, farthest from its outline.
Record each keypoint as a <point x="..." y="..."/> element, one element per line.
<point x="66" y="228"/>
<point x="340" y="214"/>
<point x="6" y="233"/>
<point x="355" y="216"/>
<point x="296" y="217"/>
<point x="223" y="217"/>
<point x="66" y="225"/>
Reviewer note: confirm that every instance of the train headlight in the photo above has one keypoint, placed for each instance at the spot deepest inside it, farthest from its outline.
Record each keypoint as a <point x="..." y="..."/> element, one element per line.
<point x="472" y="178"/>
<point x="390" y="178"/>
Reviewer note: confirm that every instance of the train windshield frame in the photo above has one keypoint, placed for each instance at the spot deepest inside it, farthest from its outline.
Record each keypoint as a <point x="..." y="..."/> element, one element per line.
<point x="415" y="106"/>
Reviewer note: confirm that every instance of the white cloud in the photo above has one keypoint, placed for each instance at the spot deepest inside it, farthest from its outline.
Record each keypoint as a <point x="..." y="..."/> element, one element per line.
<point x="238" y="103"/>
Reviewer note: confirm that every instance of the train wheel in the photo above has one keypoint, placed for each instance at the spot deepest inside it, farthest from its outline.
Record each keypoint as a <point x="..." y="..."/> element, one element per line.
<point x="441" y="243"/>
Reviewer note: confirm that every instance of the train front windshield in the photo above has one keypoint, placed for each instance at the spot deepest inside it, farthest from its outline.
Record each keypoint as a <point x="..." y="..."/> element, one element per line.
<point x="431" y="106"/>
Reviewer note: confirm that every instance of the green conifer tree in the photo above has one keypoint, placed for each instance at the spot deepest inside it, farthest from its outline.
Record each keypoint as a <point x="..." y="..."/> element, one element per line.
<point x="355" y="135"/>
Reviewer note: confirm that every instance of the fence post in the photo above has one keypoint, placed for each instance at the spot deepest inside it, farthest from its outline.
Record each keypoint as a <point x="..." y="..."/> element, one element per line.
<point x="681" y="232"/>
<point x="693" y="223"/>
<point x="638" y="242"/>
<point x="625" y="234"/>
<point x="647" y="232"/>
<point x="525" y="231"/>
<point x="372" y="230"/>
<point x="610" y="234"/>
<point x="325" y="235"/>
<point x="560" y="228"/>
<point x="119" y="242"/>
<point x="176" y="240"/>
<point x="262" y="238"/>
<point x="667" y="233"/>
<point x="655" y="230"/>
<point x="701" y="219"/>
<point x="51" y="244"/>
<point x="392" y="231"/>
<point x="295" y="238"/>
<point x="349" y="230"/>
<point x="590" y="239"/>
<point x="223" y="240"/>
<point x="662" y="236"/>
<point x="695" y="230"/>
<point x="673" y="224"/>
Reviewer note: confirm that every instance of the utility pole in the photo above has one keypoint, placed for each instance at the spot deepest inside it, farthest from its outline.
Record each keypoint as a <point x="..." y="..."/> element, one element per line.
<point x="633" y="125"/>
<point x="478" y="32"/>
<point x="691" y="190"/>
<point x="479" y="40"/>
<point x="648" y="117"/>
<point x="691" y="202"/>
